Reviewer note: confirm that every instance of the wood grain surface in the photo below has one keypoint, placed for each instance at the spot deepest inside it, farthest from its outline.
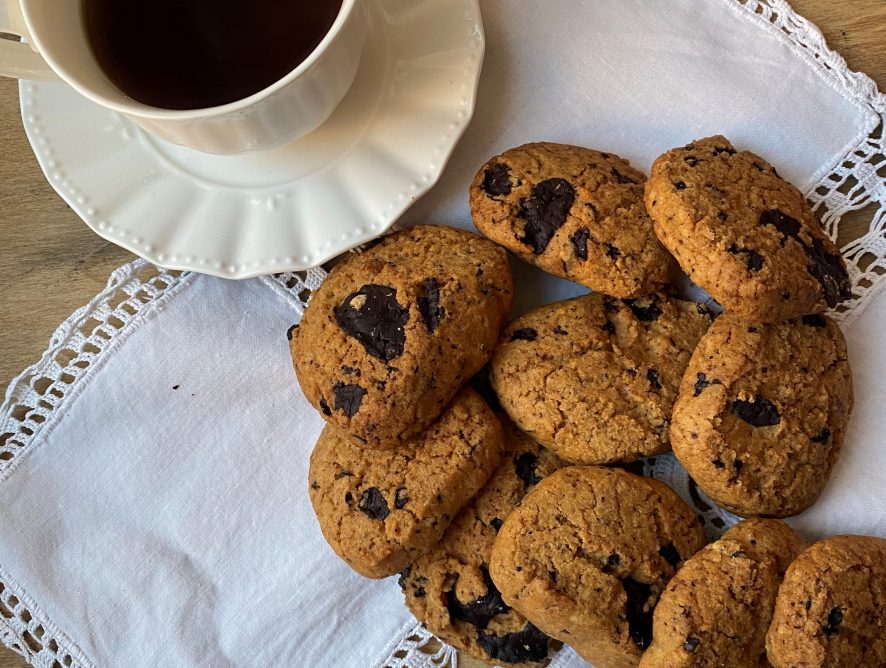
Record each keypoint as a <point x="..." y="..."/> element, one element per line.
<point x="51" y="263"/>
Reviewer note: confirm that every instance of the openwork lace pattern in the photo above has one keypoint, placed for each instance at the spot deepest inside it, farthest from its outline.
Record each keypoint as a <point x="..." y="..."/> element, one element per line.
<point x="421" y="649"/>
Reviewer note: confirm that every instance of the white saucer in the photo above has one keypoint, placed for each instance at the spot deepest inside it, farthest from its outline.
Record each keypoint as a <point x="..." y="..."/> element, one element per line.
<point x="286" y="208"/>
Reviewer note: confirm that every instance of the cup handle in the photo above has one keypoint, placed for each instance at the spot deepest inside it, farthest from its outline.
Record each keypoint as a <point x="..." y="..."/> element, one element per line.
<point x="19" y="59"/>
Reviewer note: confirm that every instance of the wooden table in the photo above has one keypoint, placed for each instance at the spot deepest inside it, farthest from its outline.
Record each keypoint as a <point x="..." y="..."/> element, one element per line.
<point x="51" y="263"/>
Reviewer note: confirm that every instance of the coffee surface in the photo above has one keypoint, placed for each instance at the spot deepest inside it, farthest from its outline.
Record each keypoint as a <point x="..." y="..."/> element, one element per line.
<point x="193" y="54"/>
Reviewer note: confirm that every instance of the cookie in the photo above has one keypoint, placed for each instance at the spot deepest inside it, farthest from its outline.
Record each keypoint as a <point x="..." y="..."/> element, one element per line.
<point x="761" y="414"/>
<point x="743" y="233"/>
<point x="394" y="332"/>
<point x="381" y="510"/>
<point x="586" y="555"/>
<point x="831" y="607"/>
<point x="716" y="610"/>
<point x="449" y="589"/>
<point x="593" y="378"/>
<point x="573" y="212"/>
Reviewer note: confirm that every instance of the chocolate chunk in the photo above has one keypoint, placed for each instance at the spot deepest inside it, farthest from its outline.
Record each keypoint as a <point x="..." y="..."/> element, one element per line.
<point x="401" y="498"/>
<point x="404" y="574"/>
<point x="835" y="618"/>
<point x="648" y="313"/>
<point x="349" y="498"/>
<point x="479" y="611"/>
<point x="788" y="226"/>
<point x="325" y="407"/>
<point x="718" y="464"/>
<point x="724" y="149"/>
<point x="702" y="383"/>
<point x="691" y="160"/>
<point x="639" y="618"/>
<point x="545" y="211"/>
<point x="315" y="485"/>
<point x="559" y="330"/>
<point x="828" y="269"/>
<point x="691" y="644"/>
<point x="524" y="334"/>
<point x="610" y="305"/>
<point x="525" y="467"/>
<point x="530" y="644"/>
<point x="814" y="320"/>
<point x="621" y="178"/>
<point x="759" y="413"/>
<point x="349" y="370"/>
<point x="612" y="562"/>
<point x="753" y="259"/>
<point x="497" y="180"/>
<point x="612" y="252"/>
<point x="822" y="437"/>
<point x="429" y="304"/>
<point x="669" y="554"/>
<point x="579" y="241"/>
<point x="419" y="592"/>
<point x="372" y="503"/>
<point x="652" y="377"/>
<point x="291" y="331"/>
<point x="496" y="523"/>
<point x="679" y="185"/>
<point x="377" y="322"/>
<point x="347" y="398"/>
<point x="553" y="576"/>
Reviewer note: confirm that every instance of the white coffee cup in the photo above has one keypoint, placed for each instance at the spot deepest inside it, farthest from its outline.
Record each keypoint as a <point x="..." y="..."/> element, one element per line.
<point x="57" y="48"/>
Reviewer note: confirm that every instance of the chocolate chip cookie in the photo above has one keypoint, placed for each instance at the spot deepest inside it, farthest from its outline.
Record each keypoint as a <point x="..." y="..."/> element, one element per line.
<point x="394" y="332"/>
<point x="381" y="510"/>
<point x="831" y="607"/>
<point x="761" y="414"/>
<point x="594" y="378"/>
<point x="743" y="233"/>
<point x="716" y="610"/>
<point x="574" y="212"/>
<point x="449" y="589"/>
<point x="586" y="555"/>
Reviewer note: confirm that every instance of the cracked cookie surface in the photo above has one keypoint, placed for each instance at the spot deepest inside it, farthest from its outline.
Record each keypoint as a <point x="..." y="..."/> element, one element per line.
<point x="716" y="610"/>
<point x="381" y="510"/>
<point x="393" y="332"/>
<point x="761" y="414"/>
<point x="586" y="555"/>
<point x="594" y="378"/>
<point x="743" y="233"/>
<point x="574" y="212"/>
<point x="831" y="606"/>
<point x="449" y="589"/>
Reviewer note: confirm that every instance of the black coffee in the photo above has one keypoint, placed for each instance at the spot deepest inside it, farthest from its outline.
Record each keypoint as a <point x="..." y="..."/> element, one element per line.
<point x="192" y="54"/>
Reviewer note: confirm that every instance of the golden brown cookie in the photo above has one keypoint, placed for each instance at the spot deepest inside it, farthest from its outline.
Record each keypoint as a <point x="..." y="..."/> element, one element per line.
<point x="761" y="414"/>
<point x="586" y="555"/>
<point x="381" y="510"/>
<point x="831" y="607"/>
<point x="716" y="610"/>
<point x="743" y="233"/>
<point x="594" y="378"/>
<point x="449" y="589"/>
<point x="574" y="212"/>
<point x="394" y="332"/>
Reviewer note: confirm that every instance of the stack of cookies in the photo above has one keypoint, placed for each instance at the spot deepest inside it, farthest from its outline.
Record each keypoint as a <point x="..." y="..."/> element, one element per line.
<point x="484" y="461"/>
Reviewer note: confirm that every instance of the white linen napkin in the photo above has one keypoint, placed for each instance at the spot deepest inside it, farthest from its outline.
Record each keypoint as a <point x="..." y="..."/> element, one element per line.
<point x="153" y="464"/>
